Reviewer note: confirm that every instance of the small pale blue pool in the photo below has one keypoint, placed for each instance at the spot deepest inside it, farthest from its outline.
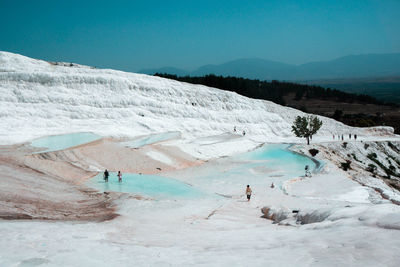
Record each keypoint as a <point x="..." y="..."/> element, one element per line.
<point x="148" y="185"/>
<point x="64" y="141"/>
<point x="278" y="156"/>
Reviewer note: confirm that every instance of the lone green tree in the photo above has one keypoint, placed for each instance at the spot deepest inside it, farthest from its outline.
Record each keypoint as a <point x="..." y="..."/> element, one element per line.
<point x="306" y="126"/>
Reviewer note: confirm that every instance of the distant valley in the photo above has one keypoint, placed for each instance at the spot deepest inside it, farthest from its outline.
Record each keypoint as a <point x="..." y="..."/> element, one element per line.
<point x="386" y="89"/>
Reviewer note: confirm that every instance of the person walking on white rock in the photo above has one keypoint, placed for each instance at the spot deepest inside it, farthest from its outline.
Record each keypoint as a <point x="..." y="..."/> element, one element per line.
<point x="248" y="192"/>
<point x="307" y="170"/>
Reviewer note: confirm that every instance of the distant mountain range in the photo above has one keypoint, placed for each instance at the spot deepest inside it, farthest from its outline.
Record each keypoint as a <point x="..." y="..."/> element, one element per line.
<point x="355" y="66"/>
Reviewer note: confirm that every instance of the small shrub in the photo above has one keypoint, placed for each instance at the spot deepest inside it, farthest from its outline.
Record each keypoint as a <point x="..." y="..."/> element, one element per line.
<point x="345" y="165"/>
<point x="371" y="168"/>
<point x="395" y="159"/>
<point x="337" y="114"/>
<point x="391" y="171"/>
<point x="344" y="145"/>
<point x="303" y="108"/>
<point x="355" y="157"/>
<point x="313" y="151"/>
<point x="366" y="146"/>
<point x="393" y="147"/>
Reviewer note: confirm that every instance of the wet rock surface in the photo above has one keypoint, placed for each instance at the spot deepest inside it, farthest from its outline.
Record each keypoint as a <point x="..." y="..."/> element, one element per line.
<point x="31" y="194"/>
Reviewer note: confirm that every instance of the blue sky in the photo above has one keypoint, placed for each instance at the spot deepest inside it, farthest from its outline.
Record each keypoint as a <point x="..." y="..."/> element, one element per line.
<point x="131" y="35"/>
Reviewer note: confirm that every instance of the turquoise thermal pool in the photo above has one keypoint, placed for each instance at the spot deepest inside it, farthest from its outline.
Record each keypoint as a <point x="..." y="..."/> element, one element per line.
<point x="64" y="141"/>
<point x="148" y="185"/>
<point x="278" y="157"/>
<point x="267" y="164"/>
<point x="272" y="163"/>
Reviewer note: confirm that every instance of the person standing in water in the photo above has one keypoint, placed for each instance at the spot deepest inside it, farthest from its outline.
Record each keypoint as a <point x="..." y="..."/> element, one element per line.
<point x="119" y="176"/>
<point x="106" y="174"/>
<point x="248" y="192"/>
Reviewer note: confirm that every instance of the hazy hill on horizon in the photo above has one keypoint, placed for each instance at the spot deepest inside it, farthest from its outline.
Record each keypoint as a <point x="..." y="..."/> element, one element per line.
<point x="353" y="66"/>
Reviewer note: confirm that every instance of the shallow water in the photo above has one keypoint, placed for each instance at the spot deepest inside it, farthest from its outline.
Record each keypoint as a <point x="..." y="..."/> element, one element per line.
<point x="272" y="163"/>
<point x="279" y="158"/>
<point x="64" y="141"/>
<point x="267" y="164"/>
<point x="148" y="185"/>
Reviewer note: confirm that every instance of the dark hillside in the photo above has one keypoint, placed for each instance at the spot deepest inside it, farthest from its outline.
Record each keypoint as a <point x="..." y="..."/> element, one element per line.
<point x="352" y="109"/>
<point x="383" y="88"/>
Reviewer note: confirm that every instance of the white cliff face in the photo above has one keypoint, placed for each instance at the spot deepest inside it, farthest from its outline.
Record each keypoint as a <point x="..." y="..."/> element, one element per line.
<point x="41" y="98"/>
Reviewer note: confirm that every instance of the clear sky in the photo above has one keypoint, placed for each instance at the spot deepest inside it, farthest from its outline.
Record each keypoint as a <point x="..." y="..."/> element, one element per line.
<point x="131" y="35"/>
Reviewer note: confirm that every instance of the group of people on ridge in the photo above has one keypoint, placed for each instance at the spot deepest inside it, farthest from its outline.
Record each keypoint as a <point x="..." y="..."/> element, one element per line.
<point x="342" y="136"/>
<point x="107" y="174"/>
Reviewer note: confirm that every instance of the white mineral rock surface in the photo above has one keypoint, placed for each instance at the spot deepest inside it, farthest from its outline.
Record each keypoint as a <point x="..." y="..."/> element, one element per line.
<point x="341" y="218"/>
